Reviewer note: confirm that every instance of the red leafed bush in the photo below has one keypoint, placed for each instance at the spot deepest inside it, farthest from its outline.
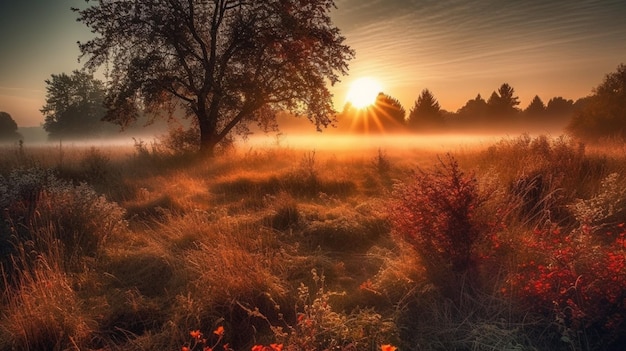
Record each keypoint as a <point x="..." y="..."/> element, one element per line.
<point x="577" y="277"/>
<point x="436" y="213"/>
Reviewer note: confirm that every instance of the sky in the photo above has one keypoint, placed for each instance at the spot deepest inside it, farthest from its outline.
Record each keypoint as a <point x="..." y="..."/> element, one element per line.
<point x="455" y="48"/>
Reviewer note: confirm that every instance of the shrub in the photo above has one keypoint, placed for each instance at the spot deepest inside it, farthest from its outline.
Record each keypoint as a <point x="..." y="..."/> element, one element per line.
<point x="437" y="214"/>
<point x="46" y="212"/>
<point x="576" y="280"/>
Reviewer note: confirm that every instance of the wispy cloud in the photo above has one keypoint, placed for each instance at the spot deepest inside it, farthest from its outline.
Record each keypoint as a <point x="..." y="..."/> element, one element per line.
<point x="419" y="42"/>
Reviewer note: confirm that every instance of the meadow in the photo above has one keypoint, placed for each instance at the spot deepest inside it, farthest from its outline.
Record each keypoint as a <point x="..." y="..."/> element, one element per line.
<point x="514" y="244"/>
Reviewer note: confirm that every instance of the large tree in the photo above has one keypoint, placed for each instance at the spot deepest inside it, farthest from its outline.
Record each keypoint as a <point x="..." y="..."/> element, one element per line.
<point x="74" y="106"/>
<point x="426" y="114"/>
<point x="226" y="63"/>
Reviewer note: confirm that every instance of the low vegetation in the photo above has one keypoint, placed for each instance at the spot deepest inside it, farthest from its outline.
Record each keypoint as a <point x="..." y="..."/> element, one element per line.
<point x="519" y="245"/>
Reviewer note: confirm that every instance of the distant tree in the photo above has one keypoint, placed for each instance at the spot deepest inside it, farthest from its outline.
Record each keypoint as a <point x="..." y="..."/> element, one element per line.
<point x="605" y="113"/>
<point x="503" y="102"/>
<point x="536" y="108"/>
<point x="74" y="106"/>
<point x="426" y="113"/>
<point x="473" y="111"/>
<point x="8" y="128"/>
<point x="389" y="111"/>
<point x="386" y="114"/>
<point x="558" y="106"/>
<point x="226" y="64"/>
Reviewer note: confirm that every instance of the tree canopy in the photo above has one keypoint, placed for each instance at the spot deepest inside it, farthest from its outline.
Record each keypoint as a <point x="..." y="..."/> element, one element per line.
<point x="604" y="114"/>
<point x="8" y="127"/>
<point x="225" y="63"/>
<point x="74" y="106"/>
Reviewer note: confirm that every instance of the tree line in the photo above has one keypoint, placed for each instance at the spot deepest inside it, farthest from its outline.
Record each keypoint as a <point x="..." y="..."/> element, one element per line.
<point x="500" y="111"/>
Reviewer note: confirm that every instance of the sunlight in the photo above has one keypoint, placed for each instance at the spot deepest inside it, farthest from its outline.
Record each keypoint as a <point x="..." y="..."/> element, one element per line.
<point x="363" y="92"/>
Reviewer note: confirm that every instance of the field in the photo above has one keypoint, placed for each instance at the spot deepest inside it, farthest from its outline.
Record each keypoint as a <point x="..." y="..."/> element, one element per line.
<point x="514" y="244"/>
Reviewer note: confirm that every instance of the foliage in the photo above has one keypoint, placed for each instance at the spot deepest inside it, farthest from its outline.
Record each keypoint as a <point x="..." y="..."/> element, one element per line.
<point x="605" y="114"/>
<point x="577" y="280"/>
<point x="8" y="127"/>
<point x="74" y="106"/>
<point x="437" y="213"/>
<point x="536" y="108"/>
<point x="503" y="103"/>
<point x="559" y="106"/>
<point x="386" y="114"/>
<point x="224" y="63"/>
<point x="44" y="212"/>
<point x="426" y="113"/>
<point x="473" y="113"/>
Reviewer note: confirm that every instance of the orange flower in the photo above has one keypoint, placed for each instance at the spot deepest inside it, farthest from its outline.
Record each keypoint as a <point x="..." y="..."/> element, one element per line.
<point x="219" y="331"/>
<point x="388" y="348"/>
<point x="206" y="348"/>
<point x="257" y="348"/>
<point x="195" y="334"/>
<point x="277" y="347"/>
<point x="184" y="348"/>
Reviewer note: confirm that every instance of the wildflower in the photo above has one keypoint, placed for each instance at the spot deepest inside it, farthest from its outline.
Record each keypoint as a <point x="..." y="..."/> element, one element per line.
<point x="277" y="347"/>
<point x="219" y="331"/>
<point x="388" y="348"/>
<point x="257" y="348"/>
<point x="206" y="348"/>
<point x="195" y="334"/>
<point x="184" y="348"/>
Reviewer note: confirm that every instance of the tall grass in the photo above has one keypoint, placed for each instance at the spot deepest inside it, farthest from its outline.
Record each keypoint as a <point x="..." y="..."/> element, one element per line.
<point x="122" y="248"/>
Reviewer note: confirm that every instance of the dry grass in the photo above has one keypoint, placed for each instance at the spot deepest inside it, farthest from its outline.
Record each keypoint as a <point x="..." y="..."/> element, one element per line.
<point x="208" y="241"/>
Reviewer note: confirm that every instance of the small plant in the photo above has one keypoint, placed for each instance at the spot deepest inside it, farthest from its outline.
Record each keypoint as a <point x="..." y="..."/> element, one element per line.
<point x="381" y="163"/>
<point x="201" y="343"/>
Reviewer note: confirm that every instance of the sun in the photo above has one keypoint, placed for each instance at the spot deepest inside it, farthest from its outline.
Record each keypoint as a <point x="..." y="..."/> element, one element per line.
<point x="363" y="92"/>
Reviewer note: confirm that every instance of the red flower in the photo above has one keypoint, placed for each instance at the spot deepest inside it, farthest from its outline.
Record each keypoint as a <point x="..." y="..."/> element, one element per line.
<point x="219" y="331"/>
<point x="195" y="334"/>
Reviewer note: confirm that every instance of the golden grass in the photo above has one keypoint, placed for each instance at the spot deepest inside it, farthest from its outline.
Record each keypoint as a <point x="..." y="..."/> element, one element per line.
<point x="208" y="236"/>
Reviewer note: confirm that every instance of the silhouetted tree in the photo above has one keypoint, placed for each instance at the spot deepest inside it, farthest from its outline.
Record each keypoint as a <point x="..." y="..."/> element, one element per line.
<point x="226" y="63"/>
<point x="74" y="106"/>
<point x="473" y="112"/>
<point x="605" y="113"/>
<point x="390" y="112"/>
<point x="504" y="102"/>
<point x="558" y="106"/>
<point x="536" y="110"/>
<point x="386" y="114"/>
<point x="426" y="113"/>
<point x="8" y="128"/>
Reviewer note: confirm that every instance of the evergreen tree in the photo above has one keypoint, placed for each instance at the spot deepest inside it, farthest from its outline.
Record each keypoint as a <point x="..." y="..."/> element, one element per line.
<point x="426" y="113"/>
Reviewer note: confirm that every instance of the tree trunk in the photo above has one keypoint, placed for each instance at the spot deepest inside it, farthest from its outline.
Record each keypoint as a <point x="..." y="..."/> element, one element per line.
<point x="209" y="138"/>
